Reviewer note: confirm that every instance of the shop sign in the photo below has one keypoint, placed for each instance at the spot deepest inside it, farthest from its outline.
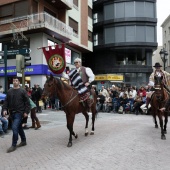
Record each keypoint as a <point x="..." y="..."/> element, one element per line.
<point x="110" y="77"/>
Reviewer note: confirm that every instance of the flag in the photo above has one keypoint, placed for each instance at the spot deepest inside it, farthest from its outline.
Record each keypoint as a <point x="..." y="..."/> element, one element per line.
<point x="55" y="58"/>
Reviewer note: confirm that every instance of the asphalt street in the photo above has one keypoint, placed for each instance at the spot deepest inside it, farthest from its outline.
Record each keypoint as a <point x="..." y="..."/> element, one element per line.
<point x="120" y="142"/>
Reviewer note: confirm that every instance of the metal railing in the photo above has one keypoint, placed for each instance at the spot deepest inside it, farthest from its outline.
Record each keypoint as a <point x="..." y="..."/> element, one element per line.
<point x="41" y="20"/>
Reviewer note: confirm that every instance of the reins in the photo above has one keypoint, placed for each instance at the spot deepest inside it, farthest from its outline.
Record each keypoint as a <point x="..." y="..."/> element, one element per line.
<point x="70" y="99"/>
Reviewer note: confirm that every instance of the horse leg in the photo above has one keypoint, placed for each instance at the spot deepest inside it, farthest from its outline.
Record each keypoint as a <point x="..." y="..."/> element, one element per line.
<point x="166" y="121"/>
<point x="87" y="121"/>
<point x="70" y="121"/>
<point x="94" y="112"/>
<point x="161" y="125"/>
<point x="75" y="135"/>
<point x="155" y="121"/>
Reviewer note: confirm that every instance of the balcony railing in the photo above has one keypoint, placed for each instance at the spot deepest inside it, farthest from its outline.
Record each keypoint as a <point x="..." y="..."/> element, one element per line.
<point x="35" y="21"/>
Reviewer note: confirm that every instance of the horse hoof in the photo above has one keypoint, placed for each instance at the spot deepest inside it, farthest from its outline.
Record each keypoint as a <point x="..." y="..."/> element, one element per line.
<point x="156" y="126"/>
<point x="163" y="137"/>
<point x="69" y="144"/>
<point x="86" y="134"/>
<point x="91" y="133"/>
<point x="76" y="136"/>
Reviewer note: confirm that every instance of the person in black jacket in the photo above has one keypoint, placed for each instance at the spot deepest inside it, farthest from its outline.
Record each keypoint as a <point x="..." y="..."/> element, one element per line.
<point x="38" y="93"/>
<point x="17" y="102"/>
<point x="101" y="100"/>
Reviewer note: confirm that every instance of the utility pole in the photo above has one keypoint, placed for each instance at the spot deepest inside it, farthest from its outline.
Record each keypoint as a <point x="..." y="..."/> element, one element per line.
<point x="5" y="65"/>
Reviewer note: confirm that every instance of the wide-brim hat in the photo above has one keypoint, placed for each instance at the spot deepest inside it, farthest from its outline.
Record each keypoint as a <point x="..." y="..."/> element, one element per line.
<point x="157" y="65"/>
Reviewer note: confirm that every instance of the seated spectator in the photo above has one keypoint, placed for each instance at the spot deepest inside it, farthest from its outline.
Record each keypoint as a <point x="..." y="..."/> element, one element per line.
<point x="107" y="106"/>
<point x="124" y="101"/>
<point x="131" y="102"/>
<point x="3" y="126"/>
<point x="137" y="103"/>
<point x="116" y="103"/>
<point x="101" y="100"/>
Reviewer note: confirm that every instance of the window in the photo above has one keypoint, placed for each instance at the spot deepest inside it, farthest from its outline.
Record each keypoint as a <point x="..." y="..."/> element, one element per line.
<point x="35" y="7"/>
<point x="95" y="39"/>
<point x="6" y="10"/>
<point x="49" y="12"/>
<point x="73" y="24"/>
<point x="95" y="18"/>
<point x="129" y="9"/>
<point x="21" y="9"/>
<point x="109" y="35"/>
<point x="89" y="35"/>
<point x="75" y="2"/>
<point x="119" y="34"/>
<point x="109" y="11"/>
<point x="89" y="12"/>
<point x="130" y="33"/>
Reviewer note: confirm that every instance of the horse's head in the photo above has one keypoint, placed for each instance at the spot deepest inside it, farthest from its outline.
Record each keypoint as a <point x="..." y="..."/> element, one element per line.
<point x="49" y="87"/>
<point x="158" y="87"/>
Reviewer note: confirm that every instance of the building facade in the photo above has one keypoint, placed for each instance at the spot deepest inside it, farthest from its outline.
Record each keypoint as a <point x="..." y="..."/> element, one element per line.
<point x="166" y="40"/>
<point x="40" y="23"/>
<point x="124" y="36"/>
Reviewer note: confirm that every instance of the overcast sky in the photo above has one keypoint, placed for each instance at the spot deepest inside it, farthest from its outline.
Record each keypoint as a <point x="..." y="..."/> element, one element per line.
<point x="163" y="11"/>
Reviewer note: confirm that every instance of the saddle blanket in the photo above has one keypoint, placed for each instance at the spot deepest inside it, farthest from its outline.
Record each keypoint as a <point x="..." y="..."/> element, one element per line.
<point x="77" y="82"/>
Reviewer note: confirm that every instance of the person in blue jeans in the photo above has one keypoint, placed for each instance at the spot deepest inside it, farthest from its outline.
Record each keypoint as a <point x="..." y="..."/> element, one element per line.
<point x="3" y="126"/>
<point x="17" y="102"/>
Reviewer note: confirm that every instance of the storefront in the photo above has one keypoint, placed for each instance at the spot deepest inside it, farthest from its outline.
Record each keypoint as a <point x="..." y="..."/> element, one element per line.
<point x="108" y="80"/>
<point x="31" y="72"/>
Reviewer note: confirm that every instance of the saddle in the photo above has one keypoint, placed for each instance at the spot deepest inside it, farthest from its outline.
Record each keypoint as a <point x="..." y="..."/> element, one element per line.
<point x="86" y="98"/>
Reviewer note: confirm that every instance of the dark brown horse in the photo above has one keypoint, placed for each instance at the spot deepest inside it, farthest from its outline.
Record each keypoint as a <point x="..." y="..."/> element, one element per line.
<point x="158" y="100"/>
<point x="69" y="99"/>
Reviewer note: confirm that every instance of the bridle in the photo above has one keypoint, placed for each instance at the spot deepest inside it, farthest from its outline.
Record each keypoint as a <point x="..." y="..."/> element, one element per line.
<point x="159" y="88"/>
<point x="71" y="96"/>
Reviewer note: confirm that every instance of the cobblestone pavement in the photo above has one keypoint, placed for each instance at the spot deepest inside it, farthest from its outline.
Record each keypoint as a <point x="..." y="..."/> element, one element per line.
<point x="121" y="142"/>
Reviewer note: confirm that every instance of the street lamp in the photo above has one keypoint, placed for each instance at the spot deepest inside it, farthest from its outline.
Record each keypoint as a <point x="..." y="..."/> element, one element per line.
<point x="163" y="53"/>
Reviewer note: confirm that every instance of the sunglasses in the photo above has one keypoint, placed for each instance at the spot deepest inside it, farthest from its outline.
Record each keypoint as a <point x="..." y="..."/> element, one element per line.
<point x="75" y="62"/>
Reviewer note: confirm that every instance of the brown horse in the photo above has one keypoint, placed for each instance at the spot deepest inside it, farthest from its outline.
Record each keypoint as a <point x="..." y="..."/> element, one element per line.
<point x="158" y="100"/>
<point x="69" y="99"/>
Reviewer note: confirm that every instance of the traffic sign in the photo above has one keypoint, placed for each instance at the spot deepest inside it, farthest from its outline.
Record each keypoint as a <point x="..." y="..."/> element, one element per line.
<point x="22" y="51"/>
<point x="1" y="61"/>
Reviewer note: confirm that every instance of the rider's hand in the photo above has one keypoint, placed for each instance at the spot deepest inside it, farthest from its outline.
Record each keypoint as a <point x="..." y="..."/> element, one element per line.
<point x="162" y="109"/>
<point x="4" y="113"/>
<point x="87" y="84"/>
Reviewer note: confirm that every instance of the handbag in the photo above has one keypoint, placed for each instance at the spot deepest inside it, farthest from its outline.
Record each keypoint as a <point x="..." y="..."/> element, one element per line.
<point x="120" y="109"/>
<point x="41" y="103"/>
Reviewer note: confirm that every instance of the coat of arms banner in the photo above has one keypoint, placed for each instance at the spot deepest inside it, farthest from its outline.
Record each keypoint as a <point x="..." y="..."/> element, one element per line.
<point x="55" y="57"/>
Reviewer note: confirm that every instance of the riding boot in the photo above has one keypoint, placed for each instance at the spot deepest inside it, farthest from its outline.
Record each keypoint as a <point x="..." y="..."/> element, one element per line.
<point x="38" y="125"/>
<point x="33" y="125"/>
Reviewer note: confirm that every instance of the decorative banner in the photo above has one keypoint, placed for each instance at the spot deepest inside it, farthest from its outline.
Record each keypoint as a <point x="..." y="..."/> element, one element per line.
<point x="55" y="58"/>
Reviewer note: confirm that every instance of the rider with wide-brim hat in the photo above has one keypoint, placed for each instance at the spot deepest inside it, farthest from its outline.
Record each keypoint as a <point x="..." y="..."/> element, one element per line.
<point x="159" y="72"/>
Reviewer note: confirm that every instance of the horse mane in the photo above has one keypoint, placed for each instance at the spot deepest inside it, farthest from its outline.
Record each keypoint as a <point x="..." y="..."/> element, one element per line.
<point x="61" y="84"/>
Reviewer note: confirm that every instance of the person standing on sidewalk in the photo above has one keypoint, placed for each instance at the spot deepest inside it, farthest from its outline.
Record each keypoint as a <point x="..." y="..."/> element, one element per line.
<point x="17" y="102"/>
<point x="35" y="121"/>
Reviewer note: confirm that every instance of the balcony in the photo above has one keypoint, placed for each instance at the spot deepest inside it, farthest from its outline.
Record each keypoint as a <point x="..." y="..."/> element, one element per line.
<point x="36" y="22"/>
<point x="61" y="4"/>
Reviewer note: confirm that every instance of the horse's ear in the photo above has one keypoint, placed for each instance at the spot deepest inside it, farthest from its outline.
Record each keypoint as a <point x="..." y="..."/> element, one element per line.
<point x="51" y="76"/>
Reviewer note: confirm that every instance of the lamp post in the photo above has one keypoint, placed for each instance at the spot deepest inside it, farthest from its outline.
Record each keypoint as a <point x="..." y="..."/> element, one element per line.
<point x="163" y="53"/>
